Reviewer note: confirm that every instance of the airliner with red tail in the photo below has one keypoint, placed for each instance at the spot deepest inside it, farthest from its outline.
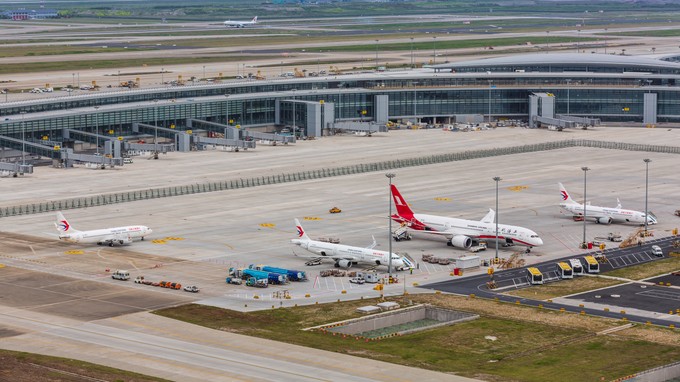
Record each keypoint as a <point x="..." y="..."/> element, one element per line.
<point x="461" y="233"/>
<point x="109" y="236"/>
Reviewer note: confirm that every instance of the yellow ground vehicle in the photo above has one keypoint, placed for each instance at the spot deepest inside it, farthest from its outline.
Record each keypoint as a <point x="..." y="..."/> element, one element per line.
<point x="335" y="210"/>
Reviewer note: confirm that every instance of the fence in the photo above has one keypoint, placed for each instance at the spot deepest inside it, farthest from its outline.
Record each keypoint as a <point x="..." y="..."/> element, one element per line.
<point x="129" y="196"/>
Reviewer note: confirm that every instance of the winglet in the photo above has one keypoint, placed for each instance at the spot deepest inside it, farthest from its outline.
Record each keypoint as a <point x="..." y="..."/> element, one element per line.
<point x="372" y="244"/>
<point x="618" y="203"/>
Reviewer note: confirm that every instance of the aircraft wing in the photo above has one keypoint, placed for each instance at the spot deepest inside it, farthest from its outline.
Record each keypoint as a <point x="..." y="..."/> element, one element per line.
<point x="490" y="217"/>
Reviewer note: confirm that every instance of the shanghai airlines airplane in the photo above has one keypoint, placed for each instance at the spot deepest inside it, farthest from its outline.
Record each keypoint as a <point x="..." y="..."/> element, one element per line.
<point x="110" y="236"/>
<point x="240" y="24"/>
<point x="460" y="232"/>
<point x="603" y="215"/>
<point x="344" y="255"/>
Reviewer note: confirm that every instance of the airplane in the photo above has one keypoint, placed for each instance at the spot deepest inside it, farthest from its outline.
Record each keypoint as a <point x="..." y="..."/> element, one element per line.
<point x="461" y="233"/>
<point x="602" y="215"/>
<point x="344" y="255"/>
<point x="110" y="236"/>
<point x="240" y="24"/>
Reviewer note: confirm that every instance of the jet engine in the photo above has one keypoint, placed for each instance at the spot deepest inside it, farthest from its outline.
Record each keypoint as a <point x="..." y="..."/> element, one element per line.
<point x="460" y="241"/>
<point x="343" y="263"/>
<point x="604" y="220"/>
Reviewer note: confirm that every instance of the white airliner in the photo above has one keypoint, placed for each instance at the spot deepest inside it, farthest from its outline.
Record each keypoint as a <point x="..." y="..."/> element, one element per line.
<point x="603" y="215"/>
<point x="110" y="236"/>
<point x="240" y="24"/>
<point x="460" y="232"/>
<point x="344" y="255"/>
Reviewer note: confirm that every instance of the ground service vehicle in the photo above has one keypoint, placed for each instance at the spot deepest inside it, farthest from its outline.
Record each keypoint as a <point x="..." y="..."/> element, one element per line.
<point x="120" y="275"/>
<point x="335" y="210"/>
<point x="357" y="280"/>
<point x="191" y="288"/>
<point x="292" y="275"/>
<point x="656" y="251"/>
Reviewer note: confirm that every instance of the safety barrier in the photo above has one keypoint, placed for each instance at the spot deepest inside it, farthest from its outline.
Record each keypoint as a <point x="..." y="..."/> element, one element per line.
<point x="129" y="196"/>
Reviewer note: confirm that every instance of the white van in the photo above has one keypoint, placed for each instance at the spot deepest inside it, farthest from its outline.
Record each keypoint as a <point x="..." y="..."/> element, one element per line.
<point x="656" y="251"/>
<point x="120" y="275"/>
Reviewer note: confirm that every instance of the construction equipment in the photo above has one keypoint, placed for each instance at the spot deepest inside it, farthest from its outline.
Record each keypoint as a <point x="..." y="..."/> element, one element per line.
<point x="299" y="73"/>
<point x="634" y="238"/>
<point x="335" y="210"/>
<point x="676" y="243"/>
<point x="259" y="76"/>
<point x="513" y="262"/>
<point x="677" y="212"/>
<point x="128" y="84"/>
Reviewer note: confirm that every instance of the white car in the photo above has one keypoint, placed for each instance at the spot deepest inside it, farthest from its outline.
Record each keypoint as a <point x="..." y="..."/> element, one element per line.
<point x="357" y="280"/>
<point x="656" y="251"/>
<point x="191" y="288"/>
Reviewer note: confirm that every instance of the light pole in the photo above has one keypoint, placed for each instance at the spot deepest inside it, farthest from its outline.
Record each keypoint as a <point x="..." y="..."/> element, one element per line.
<point x="73" y="80"/>
<point x="411" y="52"/>
<point x="605" y="40"/>
<point x="155" y="128"/>
<point x="490" y="87"/>
<point x="568" y="81"/>
<point x="389" y="176"/>
<point x="497" y="179"/>
<point x="578" y="38"/>
<point x="376" y="54"/>
<point x="646" y="192"/>
<point x="96" y="122"/>
<point x="227" y="104"/>
<point x="585" y="201"/>
<point x="162" y="80"/>
<point x="547" y="43"/>
<point x="23" y="140"/>
<point x="434" y="50"/>
<point x="203" y="72"/>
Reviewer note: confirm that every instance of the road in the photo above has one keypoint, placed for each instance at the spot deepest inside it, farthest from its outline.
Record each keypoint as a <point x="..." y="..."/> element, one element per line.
<point x="517" y="278"/>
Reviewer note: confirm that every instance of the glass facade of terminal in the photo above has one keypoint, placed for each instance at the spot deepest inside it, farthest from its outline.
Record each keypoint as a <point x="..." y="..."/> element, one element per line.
<point x="254" y="103"/>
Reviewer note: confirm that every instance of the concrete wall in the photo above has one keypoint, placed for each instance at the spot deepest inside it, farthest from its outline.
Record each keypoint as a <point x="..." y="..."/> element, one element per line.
<point x="402" y="316"/>
<point x="658" y="374"/>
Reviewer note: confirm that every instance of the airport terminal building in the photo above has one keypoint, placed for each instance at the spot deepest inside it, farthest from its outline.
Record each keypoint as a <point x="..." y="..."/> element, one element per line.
<point x="556" y="87"/>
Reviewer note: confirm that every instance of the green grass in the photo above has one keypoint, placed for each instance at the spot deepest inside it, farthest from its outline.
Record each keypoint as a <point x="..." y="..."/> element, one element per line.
<point x="115" y="64"/>
<point x="523" y="351"/>
<point x="643" y="271"/>
<point x="564" y="288"/>
<point x="21" y="367"/>
<point x="448" y="44"/>
<point x="653" y="33"/>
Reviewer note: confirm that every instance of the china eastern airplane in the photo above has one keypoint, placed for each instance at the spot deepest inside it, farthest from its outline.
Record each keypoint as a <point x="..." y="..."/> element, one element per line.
<point x="110" y="236"/>
<point x="344" y="255"/>
<point x="240" y="24"/>
<point x="460" y="232"/>
<point x="603" y="215"/>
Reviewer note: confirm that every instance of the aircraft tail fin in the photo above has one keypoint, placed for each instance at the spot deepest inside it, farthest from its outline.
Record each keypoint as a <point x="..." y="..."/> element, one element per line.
<point x="566" y="198"/>
<point x="254" y="20"/>
<point x="302" y="235"/>
<point x="490" y="217"/>
<point x="403" y="209"/>
<point x="63" y="225"/>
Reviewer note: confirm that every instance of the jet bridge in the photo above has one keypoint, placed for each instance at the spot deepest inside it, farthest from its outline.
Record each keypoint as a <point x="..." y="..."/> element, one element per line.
<point x="112" y="146"/>
<point x="232" y="136"/>
<point x="29" y="147"/>
<point x="69" y="158"/>
<point x="16" y="168"/>
<point x="580" y="120"/>
<point x="236" y="133"/>
<point x="181" y="138"/>
<point x="360" y="127"/>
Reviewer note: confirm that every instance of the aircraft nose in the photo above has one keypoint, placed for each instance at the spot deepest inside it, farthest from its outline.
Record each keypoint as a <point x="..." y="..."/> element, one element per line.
<point x="539" y="241"/>
<point x="148" y="230"/>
